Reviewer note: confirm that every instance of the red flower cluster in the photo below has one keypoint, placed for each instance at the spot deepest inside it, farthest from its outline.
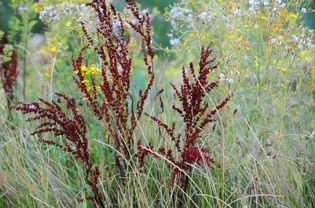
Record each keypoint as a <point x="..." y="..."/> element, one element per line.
<point x="195" y="114"/>
<point x="72" y="130"/>
<point x="112" y="105"/>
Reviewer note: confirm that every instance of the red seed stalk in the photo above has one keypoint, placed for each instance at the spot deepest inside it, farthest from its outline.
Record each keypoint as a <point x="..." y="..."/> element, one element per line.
<point x="115" y="104"/>
<point x="71" y="126"/>
<point x="195" y="114"/>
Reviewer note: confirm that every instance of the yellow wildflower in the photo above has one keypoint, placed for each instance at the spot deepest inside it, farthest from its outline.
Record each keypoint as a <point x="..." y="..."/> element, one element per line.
<point x="85" y="81"/>
<point x="84" y="69"/>
<point x="274" y="61"/>
<point x="36" y="7"/>
<point x="89" y="89"/>
<point x="167" y="51"/>
<point x="305" y="54"/>
<point x="263" y="18"/>
<point x="53" y="50"/>
<point x="256" y="62"/>
<point x="293" y="16"/>
<point x="47" y="75"/>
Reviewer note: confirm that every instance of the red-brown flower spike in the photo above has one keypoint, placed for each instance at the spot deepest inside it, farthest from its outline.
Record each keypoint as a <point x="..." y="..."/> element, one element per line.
<point x="71" y="126"/>
<point x="195" y="113"/>
<point x="114" y="104"/>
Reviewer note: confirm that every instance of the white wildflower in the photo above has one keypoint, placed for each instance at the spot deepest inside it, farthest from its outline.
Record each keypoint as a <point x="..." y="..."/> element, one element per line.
<point x="237" y="12"/>
<point x="225" y="19"/>
<point x="23" y="9"/>
<point x="203" y="15"/>
<point x="190" y="17"/>
<point x="266" y="2"/>
<point x="295" y="38"/>
<point x="175" y="42"/>
<point x="179" y="12"/>
<point x="251" y="9"/>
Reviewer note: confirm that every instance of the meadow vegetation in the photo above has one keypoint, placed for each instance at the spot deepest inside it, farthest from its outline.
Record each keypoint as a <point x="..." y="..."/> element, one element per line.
<point x="95" y="111"/>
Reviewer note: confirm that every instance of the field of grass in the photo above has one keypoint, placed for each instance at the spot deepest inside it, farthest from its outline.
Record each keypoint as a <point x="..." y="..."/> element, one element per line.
<point x="262" y="142"/>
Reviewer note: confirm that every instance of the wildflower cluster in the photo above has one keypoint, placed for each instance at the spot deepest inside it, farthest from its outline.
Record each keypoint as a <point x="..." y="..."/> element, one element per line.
<point x="91" y="74"/>
<point x="74" y="13"/>
<point x="52" y="13"/>
<point x="240" y="27"/>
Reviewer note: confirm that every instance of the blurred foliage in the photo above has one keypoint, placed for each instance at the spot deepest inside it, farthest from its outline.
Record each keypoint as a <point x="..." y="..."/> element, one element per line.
<point x="5" y="13"/>
<point x="161" y="27"/>
<point x="15" y="15"/>
<point x="309" y="18"/>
